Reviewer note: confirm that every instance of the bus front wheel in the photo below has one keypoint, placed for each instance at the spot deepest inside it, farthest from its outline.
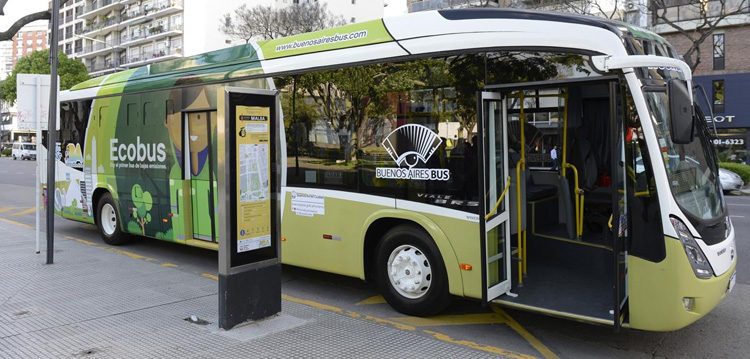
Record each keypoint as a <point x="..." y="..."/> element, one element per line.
<point x="108" y="221"/>
<point x="410" y="272"/>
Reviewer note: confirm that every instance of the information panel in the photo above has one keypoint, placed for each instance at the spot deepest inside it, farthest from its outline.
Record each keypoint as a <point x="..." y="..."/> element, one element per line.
<point x="253" y="180"/>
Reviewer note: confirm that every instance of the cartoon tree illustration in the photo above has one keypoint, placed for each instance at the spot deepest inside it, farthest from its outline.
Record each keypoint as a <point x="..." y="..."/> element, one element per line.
<point x="143" y="203"/>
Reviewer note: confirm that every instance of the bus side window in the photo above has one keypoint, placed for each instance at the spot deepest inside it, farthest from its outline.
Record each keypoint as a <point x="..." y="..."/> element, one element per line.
<point x="169" y="109"/>
<point x="102" y="111"/>
<point x="145" y="111"/>
<point x="132" y="114"/>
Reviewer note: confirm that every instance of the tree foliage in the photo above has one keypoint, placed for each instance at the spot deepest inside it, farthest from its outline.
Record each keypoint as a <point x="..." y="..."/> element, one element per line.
<point x="266" y="22"/>
<point x="143" y="203"/>
<point x="71" y="72"/>
<point x="698" y="21"/>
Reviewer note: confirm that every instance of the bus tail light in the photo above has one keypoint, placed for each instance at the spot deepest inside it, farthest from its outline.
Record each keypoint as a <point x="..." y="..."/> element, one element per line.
<point x="697" y="259"/>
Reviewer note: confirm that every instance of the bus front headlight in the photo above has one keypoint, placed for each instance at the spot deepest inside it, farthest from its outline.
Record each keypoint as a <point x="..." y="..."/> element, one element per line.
<point x="697" y="259"/>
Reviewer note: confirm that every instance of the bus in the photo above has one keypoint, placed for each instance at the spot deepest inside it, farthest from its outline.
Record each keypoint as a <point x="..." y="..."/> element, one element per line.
<point x="416" y="152"/>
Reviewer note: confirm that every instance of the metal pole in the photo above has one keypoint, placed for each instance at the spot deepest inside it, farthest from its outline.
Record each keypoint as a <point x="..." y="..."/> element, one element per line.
<point x="52" y="131"/>
<point x="37" y="199"/>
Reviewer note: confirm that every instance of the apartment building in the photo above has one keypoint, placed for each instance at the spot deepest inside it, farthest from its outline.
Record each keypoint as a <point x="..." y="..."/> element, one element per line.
<point x="723" y="71"/>
<point x="426" y="5"/>
<point x="28" y="39"/>
<point x="6" y="59"/>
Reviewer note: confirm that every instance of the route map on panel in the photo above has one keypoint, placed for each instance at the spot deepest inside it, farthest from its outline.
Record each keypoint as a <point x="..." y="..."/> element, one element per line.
<point x="253" y="172"/>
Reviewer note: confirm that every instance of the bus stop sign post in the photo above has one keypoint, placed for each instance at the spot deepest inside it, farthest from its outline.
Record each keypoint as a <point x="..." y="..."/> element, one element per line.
<point x="249" y="186"/>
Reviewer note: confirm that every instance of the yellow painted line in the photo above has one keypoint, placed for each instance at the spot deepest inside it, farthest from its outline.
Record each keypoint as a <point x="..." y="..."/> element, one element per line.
<point x="24" y="225"/>
<point x="376" y="299"/>
<point x="530" y="338"/>
<point x="79" y="240"/>
<point x="210" y="276"/>
<point x="6" y="209"/>
<point x="477" y="346"/>
<point x="27" y="211"/>
<point x="169" y="265"/>
<point x="458" y="319"/>
<point x="130" y="254"/>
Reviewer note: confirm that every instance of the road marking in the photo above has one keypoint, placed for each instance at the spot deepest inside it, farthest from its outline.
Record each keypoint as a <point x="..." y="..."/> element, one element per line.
<point x="376" y="299"/>
<point x="6" y="209"/>
<point x="733" y="216"/>
<point x="16" y="223"/>
<point x="27" y="211"/>
<point x="531" y="339"/>
<point x="454" y="319"/>
<point x="477" y="346"/>
<point x="79" y="240"/>
<point x="389" y="322"/>
<point x="169" y="265"/>
<point x="737" y="204"/>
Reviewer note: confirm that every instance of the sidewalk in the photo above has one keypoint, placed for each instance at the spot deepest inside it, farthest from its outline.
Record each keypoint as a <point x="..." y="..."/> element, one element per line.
<point x="96" y="303"/>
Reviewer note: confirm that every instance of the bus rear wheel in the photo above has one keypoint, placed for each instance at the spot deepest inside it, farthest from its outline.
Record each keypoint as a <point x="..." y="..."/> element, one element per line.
<point x="108" y="221"/>
<point x="410" y="272"/>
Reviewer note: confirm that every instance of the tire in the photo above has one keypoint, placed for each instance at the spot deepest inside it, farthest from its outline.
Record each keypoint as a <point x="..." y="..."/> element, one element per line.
<point x="108" y="221"/>
<point x="14" y="157"/>
<point x="419" y="284"/>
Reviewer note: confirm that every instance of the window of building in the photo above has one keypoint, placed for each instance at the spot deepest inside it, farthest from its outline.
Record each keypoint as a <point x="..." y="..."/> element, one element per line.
<point x="719" y="96"/>
<point x="718" y="51"/>
<point x="68" y="49"/>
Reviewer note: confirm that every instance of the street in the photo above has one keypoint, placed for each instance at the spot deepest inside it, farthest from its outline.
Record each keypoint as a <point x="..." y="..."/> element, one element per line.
<point x="466" y="323"/>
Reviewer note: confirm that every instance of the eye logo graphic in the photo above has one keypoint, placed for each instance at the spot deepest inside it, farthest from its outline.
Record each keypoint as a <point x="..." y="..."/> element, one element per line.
<point x="417" y="143"/>
<point x="407" y="146"/>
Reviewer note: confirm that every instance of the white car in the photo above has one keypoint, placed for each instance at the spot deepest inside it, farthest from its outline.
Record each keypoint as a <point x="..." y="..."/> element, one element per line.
<point x="24" y="151"/>
<point x="729" y="180"/>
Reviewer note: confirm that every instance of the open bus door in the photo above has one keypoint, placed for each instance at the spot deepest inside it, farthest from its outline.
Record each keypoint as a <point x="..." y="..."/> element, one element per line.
<point x="619" y="221"/>
<point x="494" y="200"/>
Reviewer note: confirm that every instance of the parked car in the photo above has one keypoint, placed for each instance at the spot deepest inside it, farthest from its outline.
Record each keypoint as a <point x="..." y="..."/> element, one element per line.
<point x="729" y="180"/>
<point x="24" y="151"/>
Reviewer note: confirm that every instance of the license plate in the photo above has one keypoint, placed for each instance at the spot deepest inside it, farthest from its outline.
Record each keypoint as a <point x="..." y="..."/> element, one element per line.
<point x="732" y="280"/>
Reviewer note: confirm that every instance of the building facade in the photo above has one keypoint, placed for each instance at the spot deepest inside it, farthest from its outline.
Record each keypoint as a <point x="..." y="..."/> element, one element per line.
<point x="723" y="71"/>
<point x="426" y="5"/>
<point x="28" y="39"/>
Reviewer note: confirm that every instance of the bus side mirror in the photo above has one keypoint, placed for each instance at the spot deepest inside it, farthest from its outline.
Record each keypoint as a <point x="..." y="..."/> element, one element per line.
<point x="680" y="112"/>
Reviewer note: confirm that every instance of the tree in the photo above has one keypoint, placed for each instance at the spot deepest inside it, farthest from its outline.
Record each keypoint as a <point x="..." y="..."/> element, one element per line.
<point x="143" y="202"/>
<point x="13" y="29"/>
<point x="71" y="72"/>
<point x="610" y="9"/>
<point x="266" y="22"/>
<point x="706" y="16"/>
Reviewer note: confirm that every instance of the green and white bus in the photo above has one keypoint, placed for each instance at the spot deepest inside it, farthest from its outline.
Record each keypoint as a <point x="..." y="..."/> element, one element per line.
<point x="417" y="152"/>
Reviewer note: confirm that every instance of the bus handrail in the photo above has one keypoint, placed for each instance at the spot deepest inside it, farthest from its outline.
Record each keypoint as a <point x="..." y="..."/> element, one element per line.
<point x="497" y="204"/>
<point x="578" y="200"/>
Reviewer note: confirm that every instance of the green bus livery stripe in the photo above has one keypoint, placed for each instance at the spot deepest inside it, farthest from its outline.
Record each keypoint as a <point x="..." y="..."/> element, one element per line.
<point x="238" y="61"/>
<point x="364" y="33"/>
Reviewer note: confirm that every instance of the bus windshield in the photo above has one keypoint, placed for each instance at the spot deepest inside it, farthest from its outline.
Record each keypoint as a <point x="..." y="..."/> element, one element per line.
<point x="691" y="168"/>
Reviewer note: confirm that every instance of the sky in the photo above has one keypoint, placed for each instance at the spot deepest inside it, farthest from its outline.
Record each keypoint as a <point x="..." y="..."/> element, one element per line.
<point x="14" y="9"/>
<point x="394" y="8"/>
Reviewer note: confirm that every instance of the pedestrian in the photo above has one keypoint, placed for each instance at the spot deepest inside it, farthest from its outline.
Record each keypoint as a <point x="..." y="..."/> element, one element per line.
<point x="553" y="153"/>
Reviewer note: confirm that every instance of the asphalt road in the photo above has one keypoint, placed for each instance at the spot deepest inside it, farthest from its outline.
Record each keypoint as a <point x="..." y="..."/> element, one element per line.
<point x="722" y="333"/>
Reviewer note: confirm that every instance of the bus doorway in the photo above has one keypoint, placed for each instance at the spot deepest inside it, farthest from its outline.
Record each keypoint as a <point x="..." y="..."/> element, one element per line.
<point x="200" y="171"/>
<point x="566" y="184"/>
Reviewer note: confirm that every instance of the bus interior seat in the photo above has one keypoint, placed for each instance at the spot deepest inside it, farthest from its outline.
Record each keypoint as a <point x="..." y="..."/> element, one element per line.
<point x="559" y="185"/>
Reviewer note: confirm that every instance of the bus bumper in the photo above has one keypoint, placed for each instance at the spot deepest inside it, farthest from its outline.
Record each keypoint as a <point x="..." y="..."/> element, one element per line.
<point x="661" y="293"/>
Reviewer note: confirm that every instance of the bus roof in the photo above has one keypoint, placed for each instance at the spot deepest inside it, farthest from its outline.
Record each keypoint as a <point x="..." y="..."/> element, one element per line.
<point x="247" y="60"/>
